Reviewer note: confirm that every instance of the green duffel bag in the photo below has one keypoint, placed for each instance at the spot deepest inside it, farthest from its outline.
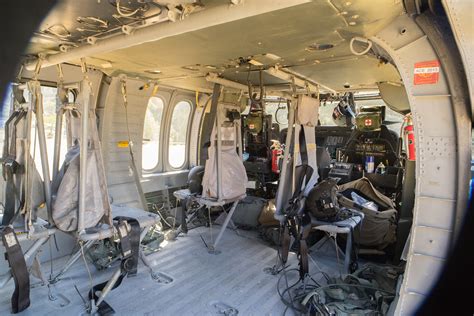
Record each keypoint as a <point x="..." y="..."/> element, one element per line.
<point x="378" y="229"/>
<point x="248" y="212"/>
<point x="267" y="216"/>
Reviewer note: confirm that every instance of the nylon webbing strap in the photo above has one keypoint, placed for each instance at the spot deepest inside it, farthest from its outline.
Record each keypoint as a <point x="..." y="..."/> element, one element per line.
<point x="130" y="243"/>
<point x="13" y="253"/>
<point x="288" y="231"/>
<point x="216" y="92"/>
<point x="298" y="225"/>
<point x="184" y="217"/>
<point x="130" y="247"/>
<point x="305" y="228"/>
<point x="104" y="308"/>
<point x="133" y="165"/>
<point x="6" y="143"/>
<point x="11" y="167"/>
<point x="303" y="149"/>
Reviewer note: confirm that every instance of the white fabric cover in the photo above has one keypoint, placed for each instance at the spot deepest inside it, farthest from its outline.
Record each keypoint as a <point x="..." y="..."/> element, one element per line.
<point x="234" y="176"/>
<point x="308" y="111"/>
<point x="65" y="187"/>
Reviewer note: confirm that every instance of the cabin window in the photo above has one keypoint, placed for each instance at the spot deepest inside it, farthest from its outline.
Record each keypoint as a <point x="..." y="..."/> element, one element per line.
<point x="277" y="108"/>
<point x="178" y="134"/>
<point x="152" y="133"/>
<point x="49" y="118"/>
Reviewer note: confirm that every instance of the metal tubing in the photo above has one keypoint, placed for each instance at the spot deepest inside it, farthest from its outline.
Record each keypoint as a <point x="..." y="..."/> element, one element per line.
<point x="224" y="225"/>
<point x="299" y="79"/>
<point x="37" y="235"/>
<point x="348" y="254"/>
<point x="30" y="252"/>
<point x="108" y="287"/>
<point x="29" y="163"/>
<point x="239" y="139"/>
<point x="219" y="154"/>
<point x="206" y="18"/>
<point x="86" y="96"/>
<point x="276" y="91"/>
<point x="72" y="260"/>
<point x="37" y="98"/>
<point x="214" y="78"/>
<point x="282" y="186"/>
<point x="102" y="234"/>
<point x="57" y="141"/>
<point x="144" y="232"/>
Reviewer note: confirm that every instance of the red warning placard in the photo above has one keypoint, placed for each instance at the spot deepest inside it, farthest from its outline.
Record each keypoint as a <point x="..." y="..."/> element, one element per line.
<point x="426" y="72"/>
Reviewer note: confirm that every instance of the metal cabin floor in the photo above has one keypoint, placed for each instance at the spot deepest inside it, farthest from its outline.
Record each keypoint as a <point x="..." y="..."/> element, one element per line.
<point x="234" y="277"/>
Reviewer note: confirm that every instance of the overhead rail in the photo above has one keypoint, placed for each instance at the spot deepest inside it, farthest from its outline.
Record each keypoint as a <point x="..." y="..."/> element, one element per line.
<point x="298" y="80"/>
<point x="301" y="86"/>
<point x="203" y="19"/>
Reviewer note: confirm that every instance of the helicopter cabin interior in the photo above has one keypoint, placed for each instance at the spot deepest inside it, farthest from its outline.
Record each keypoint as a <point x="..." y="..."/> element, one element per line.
<point x="225" y="157"/>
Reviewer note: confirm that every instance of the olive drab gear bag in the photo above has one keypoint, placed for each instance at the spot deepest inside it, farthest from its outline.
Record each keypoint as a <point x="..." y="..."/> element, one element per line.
<point x="379" y="227"/>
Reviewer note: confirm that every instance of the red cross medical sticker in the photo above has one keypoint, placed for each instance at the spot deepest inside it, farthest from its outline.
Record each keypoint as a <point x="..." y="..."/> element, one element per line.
<point x="426" y="72"/>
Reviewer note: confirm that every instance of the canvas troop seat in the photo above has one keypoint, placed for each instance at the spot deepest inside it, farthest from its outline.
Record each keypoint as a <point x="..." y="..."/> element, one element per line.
<point x="224" y="181"/>
<point x="26" y="193"/>
<point x="77" y="201"/>
<point x="81" y="203"/>
<point x="332" y="229"/>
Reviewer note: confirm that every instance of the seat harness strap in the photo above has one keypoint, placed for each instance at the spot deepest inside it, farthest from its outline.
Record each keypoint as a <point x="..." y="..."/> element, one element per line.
<point x="129" y="247"/>
<point x="14" y="255"/>
<point x="298" y="223"/>
<point x="11" y="167"/>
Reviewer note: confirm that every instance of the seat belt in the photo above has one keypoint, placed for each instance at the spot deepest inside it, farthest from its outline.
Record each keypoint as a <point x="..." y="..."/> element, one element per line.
<point x="129" y="244"/>
<point x="129" y="247"/>
<point x="9" y="207"/>
<point x="14" y="255"/>
<point x="184" y="216"/>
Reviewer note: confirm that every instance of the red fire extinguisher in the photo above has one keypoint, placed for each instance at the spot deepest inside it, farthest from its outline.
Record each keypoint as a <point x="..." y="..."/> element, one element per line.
<point x="276" y="154"/>
<point x="409" y="135"/>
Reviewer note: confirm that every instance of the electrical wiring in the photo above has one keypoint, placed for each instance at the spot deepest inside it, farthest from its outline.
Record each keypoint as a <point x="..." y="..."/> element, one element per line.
<point x="308" y="297"/>
<point x="293" y="300"/>
<point x="155" y="208"/>
<point x="123" y="14"/>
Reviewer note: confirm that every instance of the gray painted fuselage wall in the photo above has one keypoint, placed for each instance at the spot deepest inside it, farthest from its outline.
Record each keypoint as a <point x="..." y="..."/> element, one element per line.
<point x="438" y="170"/>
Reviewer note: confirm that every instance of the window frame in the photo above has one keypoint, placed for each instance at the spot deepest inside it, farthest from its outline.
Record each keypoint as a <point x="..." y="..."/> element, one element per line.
<point x="159" y="151"/>
<point x="176" y="101"/>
